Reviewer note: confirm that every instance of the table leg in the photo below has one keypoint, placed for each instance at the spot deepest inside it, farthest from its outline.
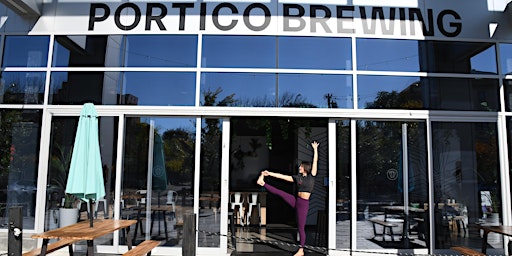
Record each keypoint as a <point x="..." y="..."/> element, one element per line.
<point x="484" y="242"/>
<point x="165" y="225"/>
<point x="90" y="248"/>
<point x="128" y="239"/>
<point x="232" y="229"/>
<point x="44" y="247"/>
<point x="159" y="214"/>
<point x="70" y="249"/>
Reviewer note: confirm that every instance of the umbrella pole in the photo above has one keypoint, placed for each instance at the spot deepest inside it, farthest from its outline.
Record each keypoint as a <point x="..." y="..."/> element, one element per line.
<point x="91" y="217"/>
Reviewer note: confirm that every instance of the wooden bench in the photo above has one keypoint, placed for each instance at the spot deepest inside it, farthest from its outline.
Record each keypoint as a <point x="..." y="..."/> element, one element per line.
<point x="53" y="247"/>
<point x="385" y="225"/>
<point x="143" y="248"/>
<point x="467" y="251"/>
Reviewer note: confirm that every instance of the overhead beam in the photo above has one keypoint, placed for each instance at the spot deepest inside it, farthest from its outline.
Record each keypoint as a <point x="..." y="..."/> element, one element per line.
<point x="24" y="7"/>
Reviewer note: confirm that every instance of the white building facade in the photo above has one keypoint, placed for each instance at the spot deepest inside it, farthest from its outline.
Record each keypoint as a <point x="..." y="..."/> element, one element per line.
<point x="234" y="88"/>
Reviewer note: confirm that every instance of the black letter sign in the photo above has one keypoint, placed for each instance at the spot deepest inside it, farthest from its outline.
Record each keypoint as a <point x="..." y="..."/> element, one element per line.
<point x="117" y="16"/>
<point x="92" y="14"/>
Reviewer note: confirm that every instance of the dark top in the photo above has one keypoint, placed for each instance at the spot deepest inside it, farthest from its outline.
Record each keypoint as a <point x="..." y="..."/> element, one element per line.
<point x="304" y="183"/>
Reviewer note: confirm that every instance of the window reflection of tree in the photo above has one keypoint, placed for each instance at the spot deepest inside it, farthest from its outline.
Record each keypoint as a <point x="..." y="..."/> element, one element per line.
<point x="409" y="98"/>
<point x="286" y="99"/>
<point x="379" y="149"/>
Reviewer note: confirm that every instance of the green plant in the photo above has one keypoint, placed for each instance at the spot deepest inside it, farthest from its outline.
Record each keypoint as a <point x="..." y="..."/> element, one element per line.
<point x="70" y="201"/>
<point x="494" y="199"/>
<point x="495" y="202"/>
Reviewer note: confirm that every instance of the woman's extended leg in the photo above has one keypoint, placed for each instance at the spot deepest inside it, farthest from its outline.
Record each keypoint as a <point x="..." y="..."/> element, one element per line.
<point x="289" y="199"/>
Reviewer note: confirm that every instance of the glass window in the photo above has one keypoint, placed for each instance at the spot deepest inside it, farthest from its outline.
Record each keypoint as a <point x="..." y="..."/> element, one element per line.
<point x="258" y="90"/>
<point x="401" y="92"/>
<point x="315" y="53"/>
<point x="26" y="51"/>
<point x="387" y="55"/>
<point x="19" y="157"/>
<point x="466" y="181"/>
<point x="158" y="89"/>
<point x="239" y="51"/>
<point x="315" y="91"/>
<point x="426" y="56"/>
<point x="123" y="88"/>
<point x="161" y="51"/>
<point x="22" y="87"/>
<point x="238" y="89"/>
<point x="508" y="94"/>
<point x="506" y="58"/>
<point x="164" y="193"/>
<point x="80" y="87"/>
<point x="88" y="51"/>
<point x="385" y="150"/>
<point x="128" y="51"/>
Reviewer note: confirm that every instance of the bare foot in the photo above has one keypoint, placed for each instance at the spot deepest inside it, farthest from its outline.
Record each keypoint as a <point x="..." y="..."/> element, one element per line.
<point x="261" y="180"/>
<point x="300" y="252"/>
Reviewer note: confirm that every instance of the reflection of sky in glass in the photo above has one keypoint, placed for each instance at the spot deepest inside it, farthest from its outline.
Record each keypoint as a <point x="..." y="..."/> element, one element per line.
<point x="315" y="88"/>
<point x="405" y="55"/>
<point x="315" y="53"/>
<point x="506" y="58"/>
<point x="239" y="51"/>
<point x="25" y="51"/>
<point x="387" y="55"/>
<point x="57" y="81"/>
<point x="161" y="51"/>
<point x="161" y="88"/>
<point x="60" y="55"/>
<point x="293" y="52"/>
<point x="370" y="86"/>
<point x="485" y="61"/>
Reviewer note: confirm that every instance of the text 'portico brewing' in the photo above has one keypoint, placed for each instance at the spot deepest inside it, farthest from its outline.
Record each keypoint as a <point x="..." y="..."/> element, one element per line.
<point x="295" y="18"/>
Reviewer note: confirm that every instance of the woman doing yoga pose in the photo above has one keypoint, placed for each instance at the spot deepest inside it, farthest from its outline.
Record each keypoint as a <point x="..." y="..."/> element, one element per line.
<point x="305" y="181"/>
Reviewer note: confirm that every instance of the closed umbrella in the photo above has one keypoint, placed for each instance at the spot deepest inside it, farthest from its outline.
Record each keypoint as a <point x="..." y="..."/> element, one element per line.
<point x="85" y="179"/>
<point x="159" y="174"/>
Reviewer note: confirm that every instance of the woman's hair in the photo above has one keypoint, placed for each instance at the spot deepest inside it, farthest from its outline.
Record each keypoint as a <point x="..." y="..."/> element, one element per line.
<point x="307" y="166"/>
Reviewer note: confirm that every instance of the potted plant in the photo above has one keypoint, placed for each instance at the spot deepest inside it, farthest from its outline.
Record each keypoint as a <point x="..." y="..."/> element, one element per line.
<point x="495" y="208"/>
<point x="491" y="208"/>
<point x="68" y="212"/>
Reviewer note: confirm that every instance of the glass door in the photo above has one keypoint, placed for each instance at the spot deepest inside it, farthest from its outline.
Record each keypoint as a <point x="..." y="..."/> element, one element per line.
<point x="278" y="145"/>
<point x="158" y="175"/>
<point x="381" y="185"/>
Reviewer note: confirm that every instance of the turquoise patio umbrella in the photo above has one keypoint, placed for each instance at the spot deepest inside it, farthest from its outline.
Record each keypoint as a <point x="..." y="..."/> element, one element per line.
<point x="159" y="174"/>
<point x="85" y="179"/>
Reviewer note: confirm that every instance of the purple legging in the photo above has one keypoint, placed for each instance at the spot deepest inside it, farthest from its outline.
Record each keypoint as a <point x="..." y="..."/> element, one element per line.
<point x="300" y="205"/>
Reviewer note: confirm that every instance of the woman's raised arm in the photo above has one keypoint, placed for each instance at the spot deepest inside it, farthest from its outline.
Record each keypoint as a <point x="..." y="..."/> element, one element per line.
<point x="314" y="165"/>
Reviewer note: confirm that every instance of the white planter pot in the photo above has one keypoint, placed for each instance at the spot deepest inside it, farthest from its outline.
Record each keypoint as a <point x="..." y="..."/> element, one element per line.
<point x="493" y="219"/>
<point x="67" y="216"/>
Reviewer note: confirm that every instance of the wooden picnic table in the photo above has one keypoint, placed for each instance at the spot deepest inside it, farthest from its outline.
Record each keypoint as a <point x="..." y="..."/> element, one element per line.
<point x="83" y="231"/>
<point x="500" y="229"/>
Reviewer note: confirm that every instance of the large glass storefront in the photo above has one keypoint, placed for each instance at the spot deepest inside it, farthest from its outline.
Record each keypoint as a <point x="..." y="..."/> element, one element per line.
<point x="413" y="138"/>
